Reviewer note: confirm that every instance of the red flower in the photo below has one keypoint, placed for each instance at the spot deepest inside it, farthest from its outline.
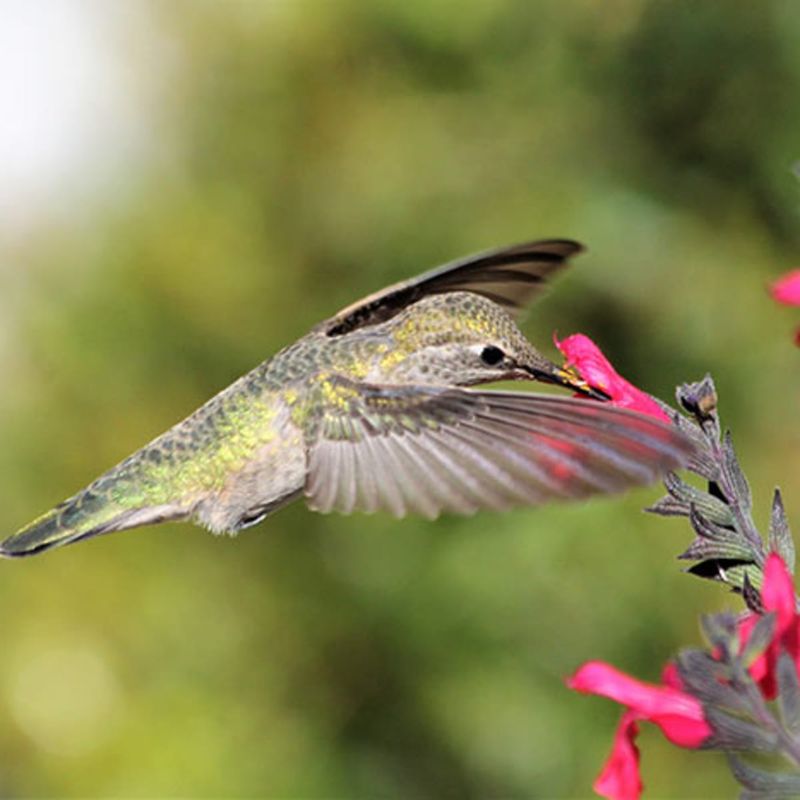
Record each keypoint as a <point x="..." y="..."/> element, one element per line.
<point x="678" y="714"/>
<point x="619" y="778"/>
<point x="786" y="290"/>
<point x="777" y="595"/>
<point x="582" y="353"/>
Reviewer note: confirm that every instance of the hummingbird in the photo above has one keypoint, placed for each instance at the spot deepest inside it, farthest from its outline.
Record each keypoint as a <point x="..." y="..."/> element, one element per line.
<point x="370" y="411"/>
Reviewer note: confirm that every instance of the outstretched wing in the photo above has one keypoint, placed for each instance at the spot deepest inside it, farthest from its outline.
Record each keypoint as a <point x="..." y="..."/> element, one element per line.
<point x="427" y="450"/>
<point x="511" y="276"/>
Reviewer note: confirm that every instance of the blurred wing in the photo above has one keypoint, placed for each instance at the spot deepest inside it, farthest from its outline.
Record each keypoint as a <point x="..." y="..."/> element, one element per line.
<point x="427" y="450"/>
<point x="511" y="276"/>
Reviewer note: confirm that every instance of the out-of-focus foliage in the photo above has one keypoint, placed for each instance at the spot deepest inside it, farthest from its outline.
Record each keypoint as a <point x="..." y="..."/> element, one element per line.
<point x="305" y="153"/>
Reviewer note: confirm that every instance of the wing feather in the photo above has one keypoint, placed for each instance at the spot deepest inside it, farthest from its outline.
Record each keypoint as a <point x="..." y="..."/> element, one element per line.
<point x="419" y="492"/>
<point x="424" y="450"/>
<point x="368" y="465"/>
<point x="482" y="487"/>
<point x="511" y="276"/>
<point x="458" y="489"/>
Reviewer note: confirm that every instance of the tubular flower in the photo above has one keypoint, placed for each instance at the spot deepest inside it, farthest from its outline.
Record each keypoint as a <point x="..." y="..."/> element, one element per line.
<point x="678" y="714"/>
<point x="583" y="354"/>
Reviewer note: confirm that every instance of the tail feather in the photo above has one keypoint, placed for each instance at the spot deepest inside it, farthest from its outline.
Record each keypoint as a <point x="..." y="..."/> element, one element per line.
<point x="80" y="517"/>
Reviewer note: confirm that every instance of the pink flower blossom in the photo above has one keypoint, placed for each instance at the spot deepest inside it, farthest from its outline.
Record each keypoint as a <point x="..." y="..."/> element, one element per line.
<point x="786" y="289"/>
<point x="620" y="778"/>
<point x="777" y="595"/>
<point x="678" y="714"/>
<point x="582" y="353"/>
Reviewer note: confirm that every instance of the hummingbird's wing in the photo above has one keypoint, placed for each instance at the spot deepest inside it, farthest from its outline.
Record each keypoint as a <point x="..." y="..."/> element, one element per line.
<point x="511" y="276"/>
<point x="427" y="450"/>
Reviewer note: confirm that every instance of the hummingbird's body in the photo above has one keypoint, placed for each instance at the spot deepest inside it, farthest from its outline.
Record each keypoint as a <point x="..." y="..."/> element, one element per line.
<point x="364" y="413"/>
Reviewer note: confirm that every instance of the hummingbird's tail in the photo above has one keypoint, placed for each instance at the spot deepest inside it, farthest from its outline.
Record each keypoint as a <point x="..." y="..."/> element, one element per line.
<point x="86" y="514"/>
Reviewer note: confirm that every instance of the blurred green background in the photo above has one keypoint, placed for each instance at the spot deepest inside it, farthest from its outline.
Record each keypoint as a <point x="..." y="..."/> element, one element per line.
<point x="293" y="156"/>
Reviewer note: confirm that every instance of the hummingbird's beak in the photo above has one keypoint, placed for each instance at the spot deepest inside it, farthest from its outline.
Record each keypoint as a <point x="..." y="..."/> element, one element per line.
<point x="568" y="378"/>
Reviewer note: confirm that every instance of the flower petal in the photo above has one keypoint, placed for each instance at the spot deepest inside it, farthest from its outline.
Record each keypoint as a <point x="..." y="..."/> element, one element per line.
<point x="786" y="289"/>
<point x="678" y="714"/>
<point x="777" y="593"/>
<point x="597" y="371"/>
<point x="620" y="779"/>
<point x="670" y="676"/>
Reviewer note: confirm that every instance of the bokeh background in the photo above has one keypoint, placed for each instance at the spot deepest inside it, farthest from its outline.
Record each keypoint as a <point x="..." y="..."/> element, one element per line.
<point x="188" y="186"/>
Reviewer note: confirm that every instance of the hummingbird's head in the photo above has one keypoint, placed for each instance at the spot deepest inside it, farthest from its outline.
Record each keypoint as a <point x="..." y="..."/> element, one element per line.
<point x="462" y="339"/>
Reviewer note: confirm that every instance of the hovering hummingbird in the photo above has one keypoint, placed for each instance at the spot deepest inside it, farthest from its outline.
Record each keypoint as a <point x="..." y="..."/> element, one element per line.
<point x="366" y="412"/>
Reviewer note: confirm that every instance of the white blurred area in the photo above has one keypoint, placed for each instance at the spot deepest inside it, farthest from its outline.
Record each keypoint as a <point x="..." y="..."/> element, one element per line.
<point x="63" y="695"/>
<point x="73" y="102"/>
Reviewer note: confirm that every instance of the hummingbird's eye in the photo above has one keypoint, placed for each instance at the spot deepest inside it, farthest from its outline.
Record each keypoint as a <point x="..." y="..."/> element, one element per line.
<point x="492" y="355"/>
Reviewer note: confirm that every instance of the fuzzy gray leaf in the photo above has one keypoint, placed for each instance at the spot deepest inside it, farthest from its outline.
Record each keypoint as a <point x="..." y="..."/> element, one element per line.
<point x="752" y="596"/>
<point x="685" y="495"/>
<point x="704" y="677"/>
<point x="720" y="630"/>
<point x="780" y="537"/>
<point x="735" y="575"/>
<point x="767" y="784"/>
<point x="676" y="486"/>
<point x="751" y="794"/>
<point x="668" y="506"/>
<point x="729" y="571"/>
<point x="701" y="549"/>
<point x="734" y="733"/>
<point x="789" y="693"/>
<point x="710" y="530"/>
<point x="712" y="508"/>
<point x="702" y="462"/>
<point x="734" y="474"/>
<point x="760" y="637"/>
